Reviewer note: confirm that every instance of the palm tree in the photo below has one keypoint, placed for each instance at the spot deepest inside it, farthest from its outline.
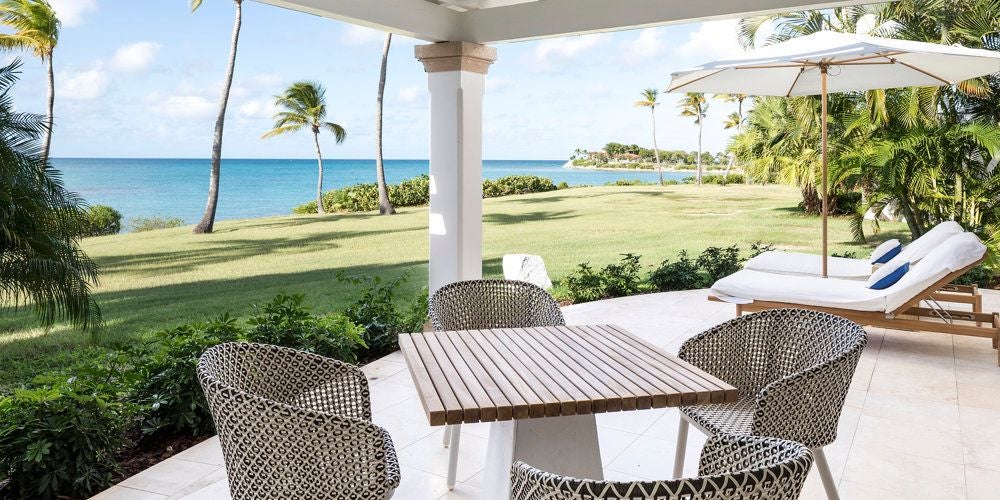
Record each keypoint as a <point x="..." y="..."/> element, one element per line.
<point x="207" y="222"/>
<point x="695" y="105"/>
<point x="649" y="101"/>
<point x="304" y="106"/>
<point x="734" y="120"/>
<point x="41" y="264"/>
<point x="36" y="28"/>
<point x="384" y="205"/>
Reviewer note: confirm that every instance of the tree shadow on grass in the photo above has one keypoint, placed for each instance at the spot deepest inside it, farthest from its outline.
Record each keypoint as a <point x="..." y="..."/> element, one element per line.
<point x="211" y="252"/>
<point x="133" y="315"/>
<point x="508" y="219"/>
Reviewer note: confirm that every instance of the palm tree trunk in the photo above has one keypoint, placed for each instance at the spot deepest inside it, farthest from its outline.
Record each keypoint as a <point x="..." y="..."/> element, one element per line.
<point x="699" y="152"/>
<point x="207" y="222"/>
<point x="319" y="180"/>
<point x="49" y="120"/>
<point x="384" y="205"/>
<point x="656" y="150"/>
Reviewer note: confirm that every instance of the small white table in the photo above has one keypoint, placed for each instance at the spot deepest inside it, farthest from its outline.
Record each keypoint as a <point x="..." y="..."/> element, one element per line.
<point x="541" y="388"/>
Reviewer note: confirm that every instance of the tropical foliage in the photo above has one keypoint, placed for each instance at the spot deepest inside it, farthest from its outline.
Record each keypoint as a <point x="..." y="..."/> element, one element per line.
<point x="41" y="264"/>
<point x="303" y="105"/>
<point x="929" y="154"/>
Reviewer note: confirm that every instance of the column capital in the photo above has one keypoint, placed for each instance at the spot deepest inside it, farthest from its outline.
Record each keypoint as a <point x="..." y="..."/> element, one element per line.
<point x="456" y="56"/>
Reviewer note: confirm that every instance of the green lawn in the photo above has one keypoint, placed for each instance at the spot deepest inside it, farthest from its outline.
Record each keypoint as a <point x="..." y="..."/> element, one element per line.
<point x="163" y="278"/>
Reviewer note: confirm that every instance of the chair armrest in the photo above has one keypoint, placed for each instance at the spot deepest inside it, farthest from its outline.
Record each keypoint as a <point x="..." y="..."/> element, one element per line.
<point x="726" y="352"/>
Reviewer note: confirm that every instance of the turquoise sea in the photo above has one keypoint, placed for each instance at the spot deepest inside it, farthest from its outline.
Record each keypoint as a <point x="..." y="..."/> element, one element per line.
<point x="258" y="188"/>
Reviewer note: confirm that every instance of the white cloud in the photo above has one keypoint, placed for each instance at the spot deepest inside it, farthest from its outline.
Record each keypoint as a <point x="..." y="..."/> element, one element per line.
<point x="181" y="106"/>
<point x="409" y="95"/>
<point x="266" y="80"/>
<point x="566" y="48"/>
<point x="135" y="57"/>
<point x="359" y="35"/>
<point x="257" y="108"/>
<point x="647" y="45"/>
<point x="83" y="85"/>
<point x="713" y="40"/>
<point x="496" y="84"/>
<point x="72" y="12"/>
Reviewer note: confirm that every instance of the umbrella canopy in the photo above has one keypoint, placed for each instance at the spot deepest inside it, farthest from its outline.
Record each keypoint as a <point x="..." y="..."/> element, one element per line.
<point x="854" y="62"/>
<point x="829" y="61"/>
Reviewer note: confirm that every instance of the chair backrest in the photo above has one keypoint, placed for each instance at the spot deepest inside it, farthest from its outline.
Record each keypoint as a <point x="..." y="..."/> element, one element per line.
<point x="731" y="468"/>
<point x="295" y="425"/>
<point x="476" y="304"/>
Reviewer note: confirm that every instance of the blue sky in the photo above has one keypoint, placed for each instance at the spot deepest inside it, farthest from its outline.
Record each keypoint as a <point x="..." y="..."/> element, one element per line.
<point x="142" y="79"/>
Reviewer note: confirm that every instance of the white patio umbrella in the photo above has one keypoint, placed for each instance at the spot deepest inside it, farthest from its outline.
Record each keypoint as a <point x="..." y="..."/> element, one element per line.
<point x="836" y="62"/>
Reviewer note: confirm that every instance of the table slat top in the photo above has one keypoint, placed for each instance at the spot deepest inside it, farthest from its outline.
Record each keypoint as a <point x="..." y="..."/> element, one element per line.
<point x="474" y="376"/>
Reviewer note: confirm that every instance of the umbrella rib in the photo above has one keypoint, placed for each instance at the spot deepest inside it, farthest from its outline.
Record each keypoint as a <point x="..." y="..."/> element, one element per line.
<point x="795" y="81"/>
<point x="887" y="55"/>
<point x="696" y="79"/>
<point x="914" y="68"/>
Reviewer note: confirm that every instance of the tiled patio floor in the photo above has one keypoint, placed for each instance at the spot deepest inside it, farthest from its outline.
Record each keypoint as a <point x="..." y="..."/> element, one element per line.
<point x="921" y="420"/>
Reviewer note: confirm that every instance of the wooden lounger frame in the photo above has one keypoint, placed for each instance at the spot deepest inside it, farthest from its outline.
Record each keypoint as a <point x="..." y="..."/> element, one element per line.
<point x="910" y="316"/>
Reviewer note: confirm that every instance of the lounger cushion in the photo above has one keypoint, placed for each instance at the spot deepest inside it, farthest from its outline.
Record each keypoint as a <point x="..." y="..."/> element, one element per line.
<point x="806" y="264"/>
<point x="885" y="252"/>
<point x="888" y="275"/>
<point x="920" y="247"/>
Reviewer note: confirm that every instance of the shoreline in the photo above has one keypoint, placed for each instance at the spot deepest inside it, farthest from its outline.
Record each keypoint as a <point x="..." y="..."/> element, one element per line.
<point x="569" y="165"/>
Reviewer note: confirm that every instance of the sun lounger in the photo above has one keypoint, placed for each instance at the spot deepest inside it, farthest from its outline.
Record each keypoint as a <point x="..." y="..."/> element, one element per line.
<point x="803" y="264"/>
<point x="896" y="307"/>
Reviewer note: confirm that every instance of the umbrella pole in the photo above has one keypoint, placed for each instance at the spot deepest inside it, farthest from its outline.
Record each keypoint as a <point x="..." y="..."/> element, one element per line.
<point x="826" y="195"/>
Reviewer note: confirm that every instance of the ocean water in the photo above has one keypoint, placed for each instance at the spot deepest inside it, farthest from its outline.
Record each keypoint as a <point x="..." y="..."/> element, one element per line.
<point x="259" y="188"/>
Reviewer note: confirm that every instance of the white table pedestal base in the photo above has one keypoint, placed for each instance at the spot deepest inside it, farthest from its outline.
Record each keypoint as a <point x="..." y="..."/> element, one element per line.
<point x="566" y="446"/>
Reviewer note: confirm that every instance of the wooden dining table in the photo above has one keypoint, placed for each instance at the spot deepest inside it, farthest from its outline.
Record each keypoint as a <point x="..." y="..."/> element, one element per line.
<point x="541" y="387"/>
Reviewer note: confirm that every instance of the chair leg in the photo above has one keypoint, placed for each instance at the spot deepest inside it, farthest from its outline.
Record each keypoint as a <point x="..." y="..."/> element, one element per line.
<point x="824" y="473"/>
<point x="446" y="439"/>
<point x="456" y="436"/>
<point x="682" y="439"/>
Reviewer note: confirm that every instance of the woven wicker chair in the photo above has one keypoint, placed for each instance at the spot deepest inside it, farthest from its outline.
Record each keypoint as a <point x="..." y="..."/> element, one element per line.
<point x="483" y="304"/>
<point x="295" y="425"/>
<point x="731" y="468"/>
<point x="793" y="368"/>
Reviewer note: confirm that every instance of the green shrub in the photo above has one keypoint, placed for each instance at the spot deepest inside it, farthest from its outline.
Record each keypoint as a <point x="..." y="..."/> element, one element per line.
<point x="614" y="280"/>
<point x="142" y="224"/>
<point x="100" y="220"/>
<point x="980" y="275"/>
<point x="170" y="393"/>
<point x="720" y="179"/>
<point x="62" y="437"/>
<point x="562" y="185"/>
<point x="379" y="312"/>
<point x="286" y="322"/>
<point x="516" y="184"/>
<point x="584" y="284"/>
<point x="681" y="274"/>
<point x="629" y="182"/>
<point x="416" y="192"/>
<point x="717" y="263"/>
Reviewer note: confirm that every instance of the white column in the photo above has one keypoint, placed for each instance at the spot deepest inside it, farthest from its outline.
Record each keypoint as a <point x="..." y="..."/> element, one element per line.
<point x="456" y="77"/>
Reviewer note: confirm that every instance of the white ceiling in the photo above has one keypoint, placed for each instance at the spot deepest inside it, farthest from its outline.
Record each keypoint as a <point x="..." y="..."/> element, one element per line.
<point x="489" y="21"/>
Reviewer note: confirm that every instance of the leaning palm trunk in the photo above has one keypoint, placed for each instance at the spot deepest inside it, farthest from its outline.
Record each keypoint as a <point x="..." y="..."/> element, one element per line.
<point x="319" y="180"/>
<point x="656" y="150"/>
<point x="384" y="205"/>
<point x="207" y="222"/>
<point x="49" y="121"/>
